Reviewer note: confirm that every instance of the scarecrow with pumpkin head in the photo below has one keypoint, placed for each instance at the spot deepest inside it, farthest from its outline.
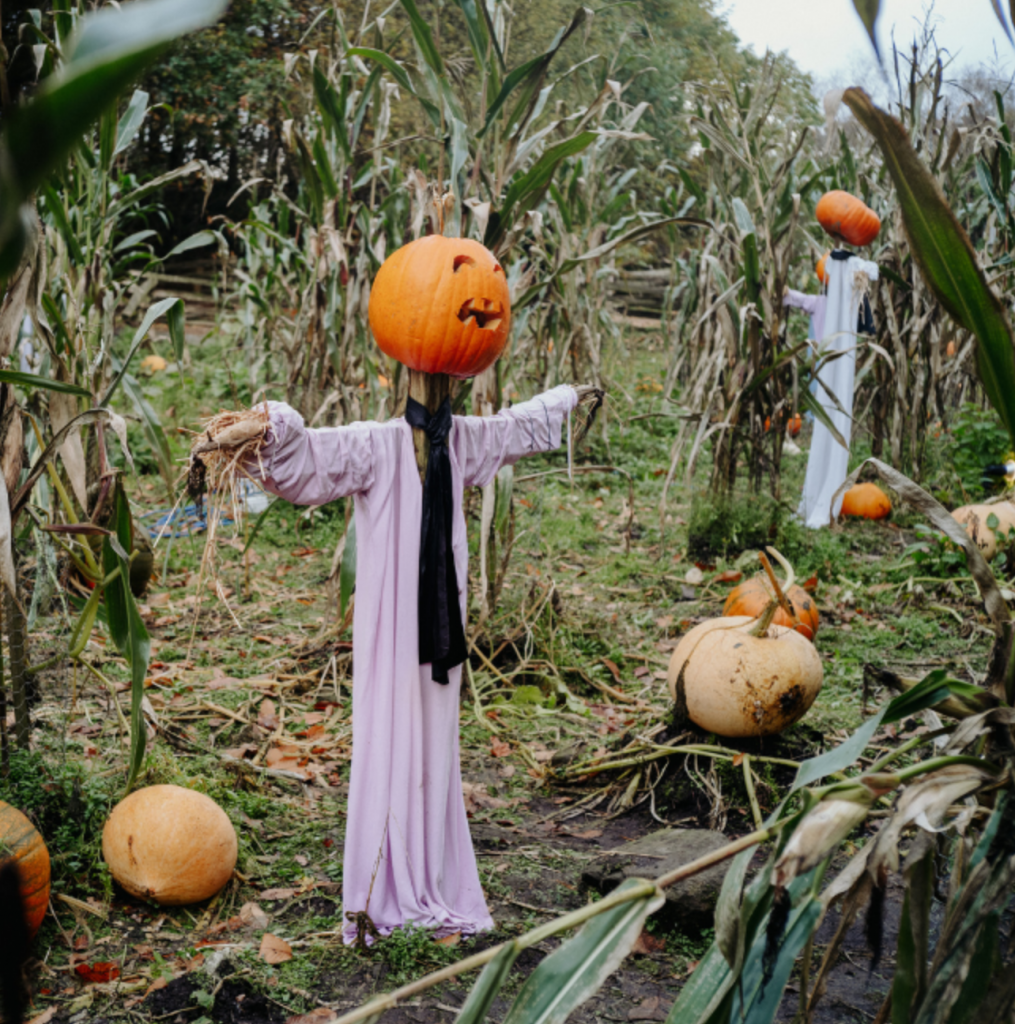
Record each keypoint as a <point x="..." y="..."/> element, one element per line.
<point x="837" y="316"/>
<point x="441" y="306"/>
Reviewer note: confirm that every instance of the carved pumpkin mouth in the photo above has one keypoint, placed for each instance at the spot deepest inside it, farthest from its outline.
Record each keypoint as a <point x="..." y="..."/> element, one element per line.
<point x="486" y="312"/>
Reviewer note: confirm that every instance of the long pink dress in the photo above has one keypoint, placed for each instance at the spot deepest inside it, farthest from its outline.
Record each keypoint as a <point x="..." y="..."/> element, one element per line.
<point x="408" y="853"/>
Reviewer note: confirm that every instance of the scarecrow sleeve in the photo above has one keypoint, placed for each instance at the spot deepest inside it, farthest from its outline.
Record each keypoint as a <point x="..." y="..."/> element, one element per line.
<point x="312" y="467"/>
<point x="485" y="443"/>
<point x="801" y="300"/>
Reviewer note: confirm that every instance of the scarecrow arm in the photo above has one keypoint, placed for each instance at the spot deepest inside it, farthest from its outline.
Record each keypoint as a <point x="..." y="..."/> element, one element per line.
<point x="485" y="443"/>
<point x="801" y="300"/>
<point x="313" y="467"/>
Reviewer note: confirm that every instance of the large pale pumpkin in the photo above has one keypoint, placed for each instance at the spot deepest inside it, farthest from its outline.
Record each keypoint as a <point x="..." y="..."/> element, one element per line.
<point x="738" y="685"/>
<point x="20" y="840"/>
<point x="170" y="844"/>
<point x="846" y="217"/>
<point x="441" y="305"/>
<point x="976" y="520"/>
<point x="752" y="597"/>
<point x="866" y="501"/>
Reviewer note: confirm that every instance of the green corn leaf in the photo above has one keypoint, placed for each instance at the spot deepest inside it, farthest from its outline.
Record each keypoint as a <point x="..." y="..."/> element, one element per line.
<point x="323" y="165"/>
<point x="931" y="690"/>
<point x="107" y="137"/>
<point x="126" y="629"/>
<point x="756" y="999"/>
<point x="868" y="11"/>
<point x="199" y="240"/>
<point x="983" y="177"/>
<point x="152" y="428"/>
<point x="176" y="319"/>
<point x="109" y="49"/>
<point x="54" y="204"/>
<point x="502" y="500"/>
<point x="812" y="403"/>
<point x="999" y="14"/>
<point x="154" y="312"/>
<point x="331" y="107"/>
<point x="911" y="949"/>
<point x="130" y="124"/>
<point x="401" y="77"/>
<point x="135" y="239"/>
<point x="125" y="202"/>
<point x="575" y="971"/>
<point x="424" y="37"/>
<point x="488" y="985"/>
<point x="475" y="24"/>
<point x="32" y="380"/>
<point x="528" y="189"/>
<point x="347" y="572"/>
<point x="529" y="77"/>
<point x="946" y="256"/>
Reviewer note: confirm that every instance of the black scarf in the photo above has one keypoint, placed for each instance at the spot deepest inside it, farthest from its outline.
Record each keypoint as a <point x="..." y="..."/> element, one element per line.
<point x="441" y="634"/>
<point x="864" y="316"/>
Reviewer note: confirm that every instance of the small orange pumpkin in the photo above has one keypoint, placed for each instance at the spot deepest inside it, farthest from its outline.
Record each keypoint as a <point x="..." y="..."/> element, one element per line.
<point x="441" y="305"/>
<point x="795" y="425"/>
<point x="822" y="276"/>
<point x="848" y="218"/>
<point x="950" y="349"/>
<point x="20" y="840"/>
<point x="752" y="597"/>
<point x="866" y="501"/>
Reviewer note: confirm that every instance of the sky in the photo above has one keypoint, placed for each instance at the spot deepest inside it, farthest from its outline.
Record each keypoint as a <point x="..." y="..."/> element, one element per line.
<point x="828" y="39"/>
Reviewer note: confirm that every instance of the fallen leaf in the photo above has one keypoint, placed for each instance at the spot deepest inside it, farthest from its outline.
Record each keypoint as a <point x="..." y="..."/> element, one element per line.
<point x="97" y="973"/>
<point x="646" y="944"/>
<point x="275" y="950"/>
<point x="811" y="584"/>
<point x="278" y="894"/>
<point x="663" y="623"/>
<point x="614" y="670"/>
<point x="648" y="1006"/>
<point x="592" y="833"/>
<point x="266" y="717"/>
<point x="159" y="600"/>
<point x="45" y="1017"/>
<point x="738" y="760"/>
<point x="506" y="771"/>
<point x="253" y="916"/>
<point x="642" y="670"/>
<point x="729" y="576"/>
<point x="498" y="748"/>
<point x="450" y="940"/>
<point x="660" y="675"/>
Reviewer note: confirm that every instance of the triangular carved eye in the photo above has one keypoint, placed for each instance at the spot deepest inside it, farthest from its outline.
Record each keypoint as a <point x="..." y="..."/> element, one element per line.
<point x="498" y="269"/>
<point x="466" y="260"/>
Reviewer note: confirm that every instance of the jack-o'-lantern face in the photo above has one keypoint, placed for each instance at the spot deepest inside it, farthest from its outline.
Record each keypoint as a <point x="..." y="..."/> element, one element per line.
<point x="441" y="305"/>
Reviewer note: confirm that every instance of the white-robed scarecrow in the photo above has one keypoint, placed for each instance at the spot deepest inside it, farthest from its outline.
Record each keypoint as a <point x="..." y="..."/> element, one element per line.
<point x="836" y="318"/>
<point x="441" y="306"/>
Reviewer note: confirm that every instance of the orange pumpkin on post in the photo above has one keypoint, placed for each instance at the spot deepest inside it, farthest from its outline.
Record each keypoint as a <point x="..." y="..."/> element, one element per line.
<point x="20" y="840"/>
<point x="846" y="217"/>
<point x="441" y="305"/>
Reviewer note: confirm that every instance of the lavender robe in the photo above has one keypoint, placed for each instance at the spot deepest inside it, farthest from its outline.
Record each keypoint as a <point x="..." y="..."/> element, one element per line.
<point x="406" y="818"/>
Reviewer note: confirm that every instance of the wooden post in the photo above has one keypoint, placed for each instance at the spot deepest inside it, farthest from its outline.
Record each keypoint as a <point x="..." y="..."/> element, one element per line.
<point x="429" y="389"/>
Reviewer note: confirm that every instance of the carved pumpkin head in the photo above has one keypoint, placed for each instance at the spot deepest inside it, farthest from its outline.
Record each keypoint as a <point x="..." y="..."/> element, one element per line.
<point x="441" y="305"/>
<point x="846" y="217"/>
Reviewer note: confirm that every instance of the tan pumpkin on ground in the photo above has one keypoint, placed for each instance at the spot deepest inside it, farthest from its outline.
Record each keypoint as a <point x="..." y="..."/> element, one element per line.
<point x="170" y="844"/>
<point x="441" y="305"/>
<point x="975" y="519"/>
<point x="866" y="501"/>
<point x="20" y="841"/>
<point x="741" y="675"/>
<point x="738" y="685"/>
<point x="753" y="596"/>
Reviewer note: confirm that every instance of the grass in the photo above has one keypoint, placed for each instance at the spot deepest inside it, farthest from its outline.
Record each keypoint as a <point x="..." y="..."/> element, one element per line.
<point x="613" y="607"/>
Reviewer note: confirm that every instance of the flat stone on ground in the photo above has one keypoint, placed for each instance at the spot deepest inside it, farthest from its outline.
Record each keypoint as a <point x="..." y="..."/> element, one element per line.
<point x="658" y="853"/>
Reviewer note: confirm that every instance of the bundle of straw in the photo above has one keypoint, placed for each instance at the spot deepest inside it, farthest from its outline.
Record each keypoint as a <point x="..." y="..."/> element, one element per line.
<point x="219" y="460"/>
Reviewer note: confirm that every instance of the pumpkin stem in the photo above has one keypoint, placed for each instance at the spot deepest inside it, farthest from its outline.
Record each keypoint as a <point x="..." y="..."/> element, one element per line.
<point x="780" y="598"/>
